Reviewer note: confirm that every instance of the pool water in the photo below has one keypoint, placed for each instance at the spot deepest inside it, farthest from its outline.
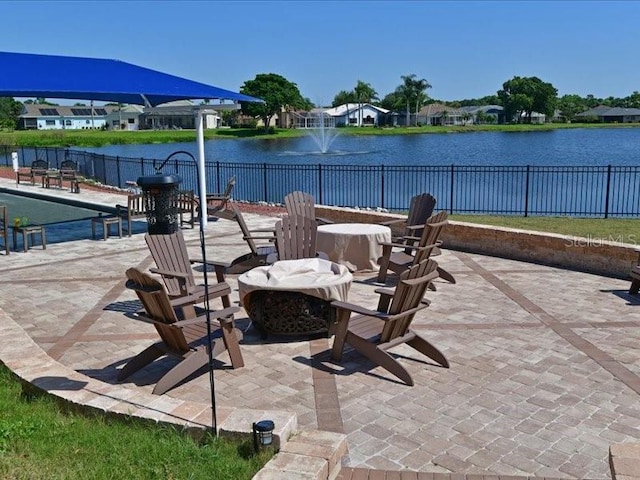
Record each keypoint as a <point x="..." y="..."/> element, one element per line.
<point x="42" y="212"/>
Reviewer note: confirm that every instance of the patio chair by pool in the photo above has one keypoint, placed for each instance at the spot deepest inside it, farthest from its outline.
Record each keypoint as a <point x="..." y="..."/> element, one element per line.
<point x="302" y="203"/>
<point x="169" y="251"/>
<point x="419" y="248"/>
<point x="133" y="209"/>
<point x="184" y="338"/>
<point x="373" y="332"/>
<point x="38" y="168"/>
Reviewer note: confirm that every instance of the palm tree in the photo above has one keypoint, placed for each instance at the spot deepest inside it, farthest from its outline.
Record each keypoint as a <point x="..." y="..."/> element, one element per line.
<point x="364" y="93"/>
<point x="420" y="86"/>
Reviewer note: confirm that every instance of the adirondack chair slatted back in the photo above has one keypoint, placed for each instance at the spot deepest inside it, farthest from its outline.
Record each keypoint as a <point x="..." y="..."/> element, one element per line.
<point x="431" y="234"/>
<point x="158" y="307"/>
<point x="420" y="209"/>
<point x="408" y="295"/>
<point x="300" y="203"/>
<point x="296" y="237"/>
<point x="169" y="251"/>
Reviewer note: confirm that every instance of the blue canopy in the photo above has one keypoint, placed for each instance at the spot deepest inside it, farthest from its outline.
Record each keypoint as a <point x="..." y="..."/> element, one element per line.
<point x="53" y="76"/>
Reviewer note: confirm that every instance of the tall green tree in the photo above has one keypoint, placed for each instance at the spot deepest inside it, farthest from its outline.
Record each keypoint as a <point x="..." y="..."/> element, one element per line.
<point x="343" y="97"/>
<point x="10" y="109"/>
<point x="525" y="95"/>
<point x="277" y="92"/>
<point x="570" y="105"/>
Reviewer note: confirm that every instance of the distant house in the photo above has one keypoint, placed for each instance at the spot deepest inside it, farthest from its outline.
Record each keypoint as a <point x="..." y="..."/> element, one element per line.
<point x="607" y="114"/>
<point x="357" y="114"/>
<point x="440" y="114"/>
<point x="485" y="113"/>
<point x="55" y="117"/>
<point x="126" y="117"/>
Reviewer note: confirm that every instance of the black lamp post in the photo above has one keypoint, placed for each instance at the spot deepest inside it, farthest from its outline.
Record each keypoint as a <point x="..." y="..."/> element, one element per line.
<point x="160" y="193"/>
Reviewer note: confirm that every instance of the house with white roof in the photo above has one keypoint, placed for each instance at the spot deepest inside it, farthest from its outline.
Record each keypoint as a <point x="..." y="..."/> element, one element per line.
<point x="36" y="116"/>
<point x="357" y="114"/>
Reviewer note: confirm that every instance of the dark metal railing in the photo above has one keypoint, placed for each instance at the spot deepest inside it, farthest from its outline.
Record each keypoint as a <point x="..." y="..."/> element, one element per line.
<point x="606" y="191"/>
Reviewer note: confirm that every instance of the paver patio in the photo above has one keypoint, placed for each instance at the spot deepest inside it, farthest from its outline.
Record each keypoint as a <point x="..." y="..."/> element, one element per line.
<point x="544" y="374"/>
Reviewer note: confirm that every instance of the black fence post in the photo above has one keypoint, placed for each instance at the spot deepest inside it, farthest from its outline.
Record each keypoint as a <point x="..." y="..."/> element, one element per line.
<point x="104" y="169"/>
<point x="606" y="198"/>
<point x="381" y="186"/>
<point x="526" y="194"/>
<point x="264" y="180"/>
<point x="218" y="174"/>
<point x="142" y="166"/>
<point x="451" y="191"/>
<point x="320" y="201"/>
<point x="118" y="170"/>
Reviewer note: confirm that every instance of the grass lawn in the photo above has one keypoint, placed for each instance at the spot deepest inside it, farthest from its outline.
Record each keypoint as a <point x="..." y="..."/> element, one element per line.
<point x="612" y="229"/>
<point x="40" y="441"/>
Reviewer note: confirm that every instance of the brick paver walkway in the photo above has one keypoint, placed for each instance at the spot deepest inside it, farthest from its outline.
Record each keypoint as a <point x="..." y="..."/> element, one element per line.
<point x="544" y="372"/>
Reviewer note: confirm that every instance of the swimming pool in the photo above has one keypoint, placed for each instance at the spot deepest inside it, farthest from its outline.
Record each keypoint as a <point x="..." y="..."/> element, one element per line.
<point x="42" y="212"/>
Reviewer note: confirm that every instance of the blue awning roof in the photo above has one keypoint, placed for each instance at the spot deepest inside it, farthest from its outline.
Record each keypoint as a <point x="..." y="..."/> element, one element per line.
<point x="53" y="76"/>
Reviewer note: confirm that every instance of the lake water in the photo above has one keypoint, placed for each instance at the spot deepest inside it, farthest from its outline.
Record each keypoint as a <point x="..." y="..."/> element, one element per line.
<point x="562" y="147"/>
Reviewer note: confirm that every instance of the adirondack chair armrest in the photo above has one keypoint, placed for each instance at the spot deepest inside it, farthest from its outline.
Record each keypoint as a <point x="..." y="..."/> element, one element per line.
<point x="271" y="238"/>
<point x="411" y="311"/>
<point x="169" y="273"/>
<point x="217" y="265"/>
<point x="224" y="316"/>
<point x="389" y="223"/>
<point x="358" y="309"/>
<point x="264" y="230"/>
<point x="187" y="299"/>
<point x="415" y="227"/>
<point x="388" y="293"/>
<point x="398" y="245"/>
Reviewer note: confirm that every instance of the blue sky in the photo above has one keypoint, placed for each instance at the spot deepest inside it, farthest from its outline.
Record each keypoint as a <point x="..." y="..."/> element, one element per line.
<point x="465" y="49"/>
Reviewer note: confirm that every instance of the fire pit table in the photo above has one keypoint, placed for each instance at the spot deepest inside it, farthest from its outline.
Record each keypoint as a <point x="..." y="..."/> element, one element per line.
<point x="293" y="297"/>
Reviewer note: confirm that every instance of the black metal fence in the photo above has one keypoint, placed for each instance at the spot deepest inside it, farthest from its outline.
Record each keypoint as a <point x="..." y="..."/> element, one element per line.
<point x="605" y="191"/>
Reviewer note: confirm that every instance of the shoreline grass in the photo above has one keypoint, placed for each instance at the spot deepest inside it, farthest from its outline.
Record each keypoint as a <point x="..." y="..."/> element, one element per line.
<point x="98" y="138"/>
<point x="39" y="440"/>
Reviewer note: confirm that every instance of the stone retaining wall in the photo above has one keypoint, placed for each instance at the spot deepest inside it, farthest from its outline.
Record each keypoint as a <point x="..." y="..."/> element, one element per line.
<point x="575" y="253"/>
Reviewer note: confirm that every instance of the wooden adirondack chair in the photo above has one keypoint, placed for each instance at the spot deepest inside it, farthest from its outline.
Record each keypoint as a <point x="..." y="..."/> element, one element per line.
<point x="419" y="248"/>
<point x="258" y="254"/>
<point x="373" y="332"/>
<point x="303" y="204"/>
<point x="296" y="237"/>
<point x="186" y="339"/>
<point x="217" y="203"/>
<point x="420" y="209"/>
<point x="174" y="266"/>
